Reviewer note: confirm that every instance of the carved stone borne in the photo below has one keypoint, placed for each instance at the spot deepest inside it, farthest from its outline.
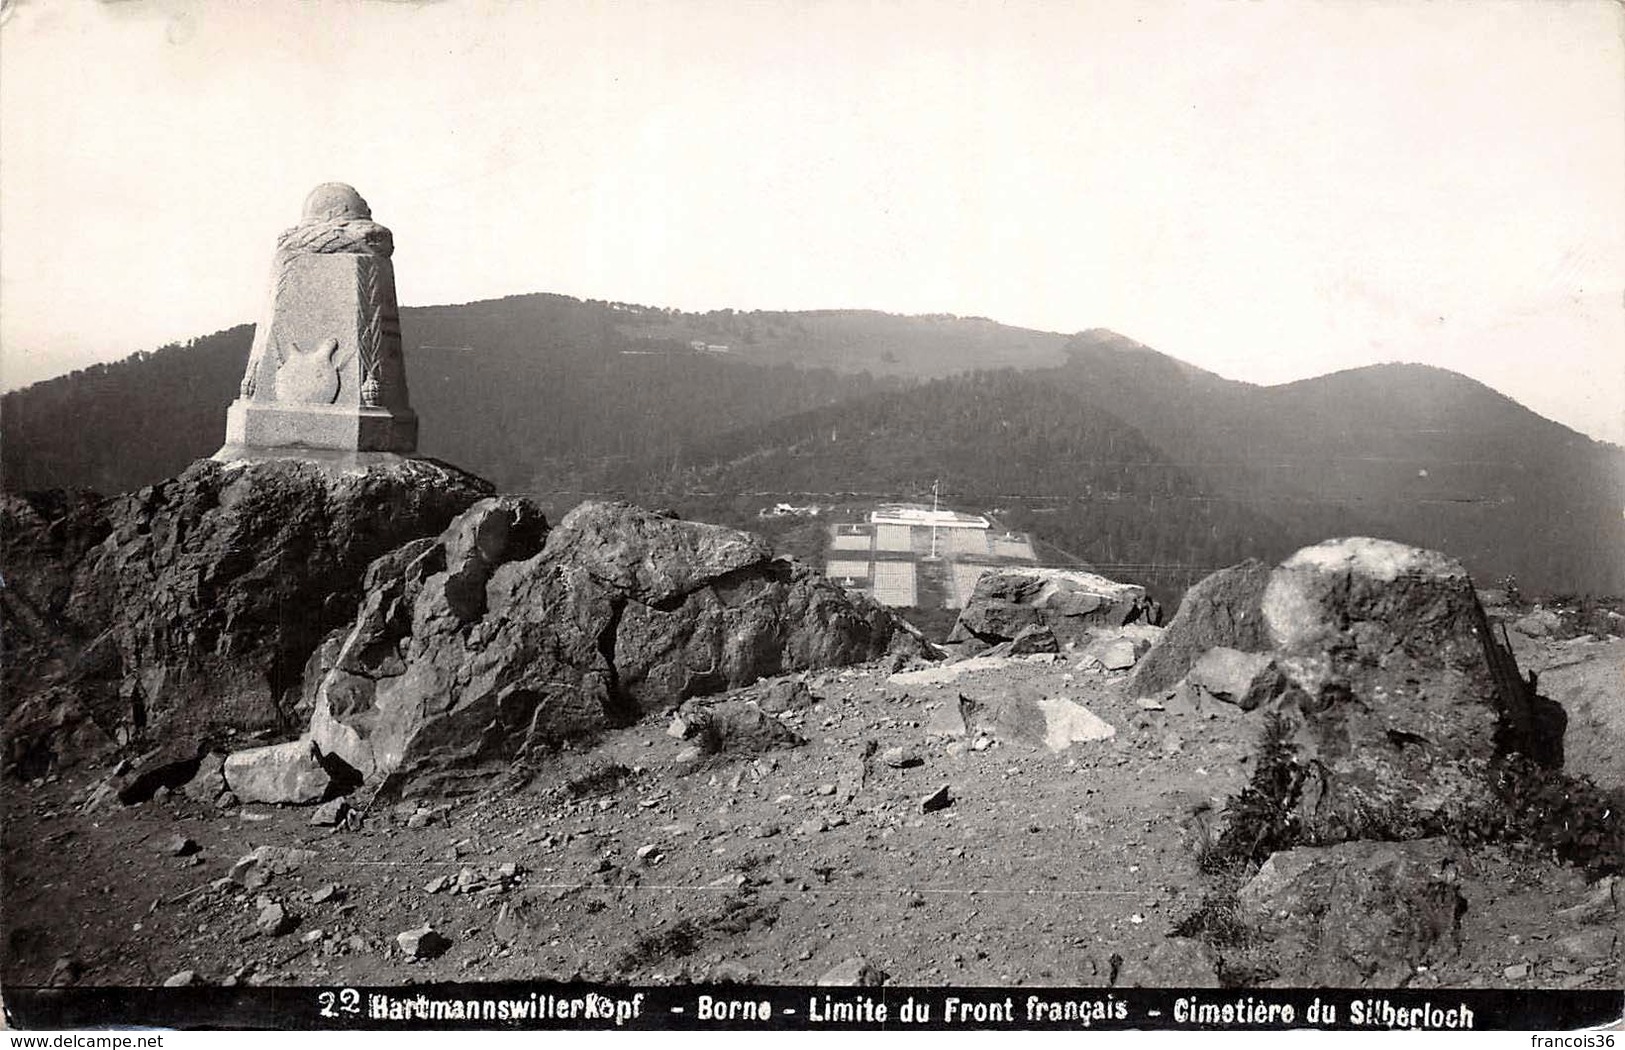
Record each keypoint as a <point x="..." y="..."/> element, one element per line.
<point x="325" y="372"/>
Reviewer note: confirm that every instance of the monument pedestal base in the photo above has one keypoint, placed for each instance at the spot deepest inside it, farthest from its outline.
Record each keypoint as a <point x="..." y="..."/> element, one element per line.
<point x="254" y="428"/>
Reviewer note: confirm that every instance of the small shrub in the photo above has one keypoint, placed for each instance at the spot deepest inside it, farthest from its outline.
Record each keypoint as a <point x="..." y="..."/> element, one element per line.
<point x="1259" y="820"/>
<point x="1568" y="816"/>
<point x="1217" y="919"/>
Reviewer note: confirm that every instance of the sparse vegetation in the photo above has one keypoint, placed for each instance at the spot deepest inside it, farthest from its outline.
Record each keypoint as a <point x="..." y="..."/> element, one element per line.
<point x="1259" y="820"/>
<point x="1217" y="919"/>
<point x="1532" y="807"/>
<point x="1547" y="810"/>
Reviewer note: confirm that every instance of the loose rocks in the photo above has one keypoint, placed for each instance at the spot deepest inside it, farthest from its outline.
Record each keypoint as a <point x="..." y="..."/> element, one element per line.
<point x="425" y="942"/>
<point x="856" y="972"/>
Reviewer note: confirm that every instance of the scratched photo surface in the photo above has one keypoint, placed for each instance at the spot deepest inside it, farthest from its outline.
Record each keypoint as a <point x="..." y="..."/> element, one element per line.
<point x="988" y="496"/>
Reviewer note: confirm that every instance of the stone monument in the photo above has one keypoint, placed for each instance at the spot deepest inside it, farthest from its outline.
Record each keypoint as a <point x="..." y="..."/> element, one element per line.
<point x="325" y="375"/>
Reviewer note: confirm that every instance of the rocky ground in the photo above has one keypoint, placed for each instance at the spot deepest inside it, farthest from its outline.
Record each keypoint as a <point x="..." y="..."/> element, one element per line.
<point x="631" y="748"/>
<point x="639" y="857"/>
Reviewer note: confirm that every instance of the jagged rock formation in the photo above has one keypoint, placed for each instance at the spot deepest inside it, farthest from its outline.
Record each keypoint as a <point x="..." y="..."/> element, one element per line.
<point x="1359" y="914"/>
<point x="1070" y="603"/>
<point x="1222" y="609"/>
<point x="475" y="646"/>
<point x="191" y="606"/>
<point x="1392" y="695"/>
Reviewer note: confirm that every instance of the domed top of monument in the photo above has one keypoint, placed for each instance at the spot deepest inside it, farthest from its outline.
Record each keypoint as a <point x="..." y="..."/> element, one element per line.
<point x="335" y="201"/>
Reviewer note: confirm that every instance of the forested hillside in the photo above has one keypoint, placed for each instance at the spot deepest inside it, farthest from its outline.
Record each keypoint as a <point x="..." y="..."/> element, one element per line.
<point x="1101" y="446"/>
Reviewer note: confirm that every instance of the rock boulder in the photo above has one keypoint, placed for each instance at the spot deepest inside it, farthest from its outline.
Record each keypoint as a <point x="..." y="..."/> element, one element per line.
<point x="290" y="772"/>
<point x="1378" y="662"/>
<point x="456" y="662"/>
<point x="191" y="606"/>
<point x="1243" y="679"/>
<point x="1069" y="602"/>
<point x="1223" y="609"/>
<point x="1359" y="914"/>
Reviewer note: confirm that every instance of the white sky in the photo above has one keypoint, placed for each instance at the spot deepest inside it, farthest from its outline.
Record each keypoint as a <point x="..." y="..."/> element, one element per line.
<point x="1270" y="190"/>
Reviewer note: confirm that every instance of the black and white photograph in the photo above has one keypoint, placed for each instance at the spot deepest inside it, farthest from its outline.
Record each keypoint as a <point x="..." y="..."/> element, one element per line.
<point x="813" y="515"/>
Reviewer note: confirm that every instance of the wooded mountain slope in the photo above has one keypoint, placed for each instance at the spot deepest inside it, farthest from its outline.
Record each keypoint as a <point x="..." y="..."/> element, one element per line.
<point x="1102" y="446"/>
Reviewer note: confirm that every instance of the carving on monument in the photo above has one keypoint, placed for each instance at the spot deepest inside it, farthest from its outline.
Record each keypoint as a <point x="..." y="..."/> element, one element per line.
<point x="310" y="376"/>
<point x="371" y="341"/>
<point x="325" y="370"/>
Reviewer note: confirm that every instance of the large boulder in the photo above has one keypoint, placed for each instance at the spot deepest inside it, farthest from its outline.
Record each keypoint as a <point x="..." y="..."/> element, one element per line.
<point x="1359" y="914"/>
<point x="201" y="598"/>
<point x="1225" y="609"/>
<point x="290" y="772"/>
<point x="457" y="663"/>
<point x="1071" y="603"/>
<point x="1390" y="696"/>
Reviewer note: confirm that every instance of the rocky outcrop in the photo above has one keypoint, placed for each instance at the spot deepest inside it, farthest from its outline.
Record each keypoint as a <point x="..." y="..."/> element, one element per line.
<point x="1376" y="661"/>
<point x="43" y="536"/>
<point x="476" y="646"/>
<point x="201" y="599"/>
<point x="1070" y="603"/>
<point x="1222" y="609"/>
<point x="1360" y="914"/>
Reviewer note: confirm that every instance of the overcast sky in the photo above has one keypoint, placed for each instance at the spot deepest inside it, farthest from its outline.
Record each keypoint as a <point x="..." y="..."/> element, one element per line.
<point x="1270" y="190"/>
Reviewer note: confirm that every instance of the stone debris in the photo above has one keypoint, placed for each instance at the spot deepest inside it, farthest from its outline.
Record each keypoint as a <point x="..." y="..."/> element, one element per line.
<point x="66" y="971"/>
<point x="1070" y="603"/>
<point x="1244" y="679"/>
<point x="325" y="893"/>
<point x="330" y="814"/>
<point x="425" y="942"/>
<point x="279" y="773"/>
<point x="275" y="920"/>
<point x="1067" y="723"/>
<point x="737" y="725"/>
<point x="856" y="972"/>
<point x="182" y="979"/>
<point x="1516" y="972"/>
<point x="104" y="795"/>
<point x="1601" y="903"/>
<point x="1329" y="914"/>
<point x="256" y="868"/>
<point x="475" y="604"/>
<point x="938" y="799"/>
<point x="901" y="757"/>
<point x="1538" y="624"/>
<point x="945" y="674"/>
<point x="786" y="695"/>
<point x="1593" y="945"/>
<point x="1031" y="640"/>
<point x="178" y="846"/>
